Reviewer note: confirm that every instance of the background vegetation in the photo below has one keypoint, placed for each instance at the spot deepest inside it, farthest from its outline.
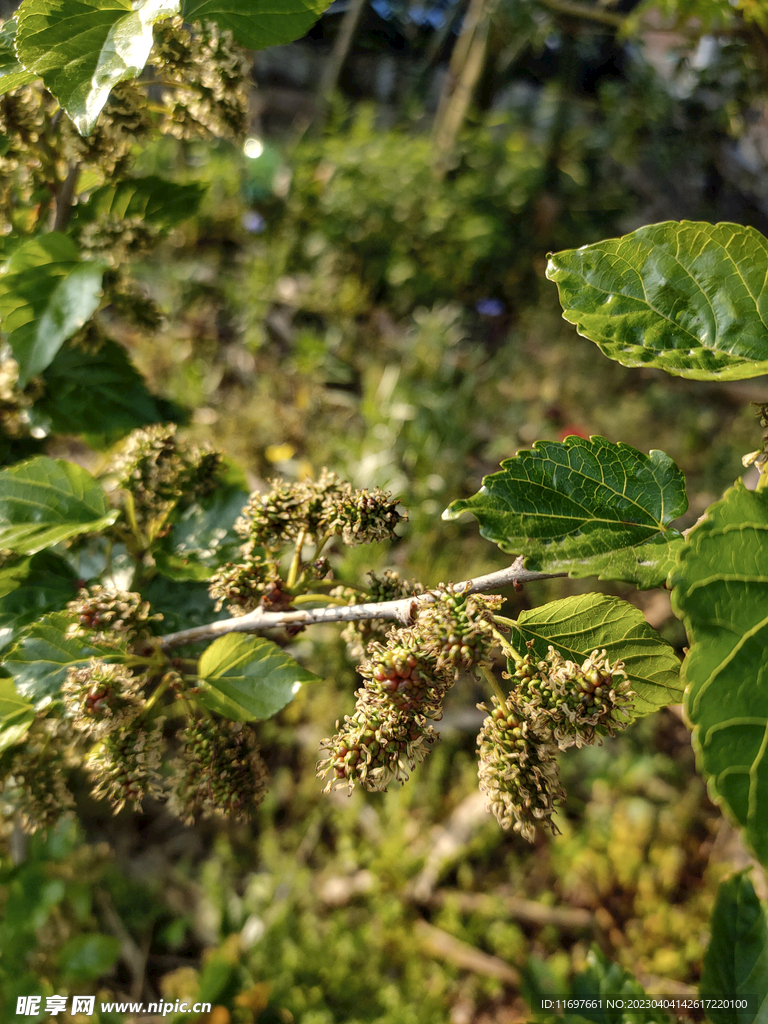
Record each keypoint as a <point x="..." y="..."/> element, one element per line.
<point x="360" y="291"/>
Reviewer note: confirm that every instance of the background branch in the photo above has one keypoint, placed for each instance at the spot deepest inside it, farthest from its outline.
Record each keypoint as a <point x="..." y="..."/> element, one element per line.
<point x="401" y="611"/>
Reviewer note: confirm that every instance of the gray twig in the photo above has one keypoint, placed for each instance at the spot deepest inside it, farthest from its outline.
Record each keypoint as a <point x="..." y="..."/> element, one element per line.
<point x="260" y="621"/>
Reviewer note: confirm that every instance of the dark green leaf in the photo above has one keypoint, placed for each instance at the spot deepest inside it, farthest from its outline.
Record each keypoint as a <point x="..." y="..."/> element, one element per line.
<point x="16" y="715"/>
<point x="736" y="961"/>
<point x="203" y="538"/>
<point x="576" y="626"/>
<point x="97" y="394"/>
<point x="39" y="661"/>
<point x="257" y="24"/>
<point x="82" y="48"/>
<point x="182" y="604"/>
<point x="688" y="297"/>
<point x="31" y="587"/>
<point x="603" y="978"/>
<point x="179" y="569"/>
<point x="249" y="677"/>
<point x="44" y="501"/>
<point x="157" y="201"/>
<point x="12" y="73"/>
<point x="586" y="507"/>
<point x="87" y="957"/>
<point x="46" y="294"/>
<point x="720" y="593"/>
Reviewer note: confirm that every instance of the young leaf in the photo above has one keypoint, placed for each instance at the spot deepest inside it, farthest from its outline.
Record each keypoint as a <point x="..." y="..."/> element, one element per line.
<point x="97" y="394"/>
<point x="157" y="201"/>
<point x="44" y="501"/>
<point x="82" y="48"/>
<point x="249" y="677"/>
<point x="720" y="594"/>
<point x="602" y="978"/>
<point x="258" y="24"/>
<point x="586" y="507"/>
<point x="736" y="961"/>
<point x="576" y="626"/>
<point x="46" y="294"/>
<point x="688" y="297"/>
<point x="39" y="661"/>
<point x="31" y="587"/>
<point x="16" y="715"/>
<point x="12" y="73"/>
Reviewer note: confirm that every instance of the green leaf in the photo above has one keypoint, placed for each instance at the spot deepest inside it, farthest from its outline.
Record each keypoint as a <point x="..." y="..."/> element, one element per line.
<point x="43" y="501"/>
<point x="603" y="978"/>
<point x="82" y="48"/>
<point x="721" y="595"/>
<point x="688" y="297"/>
<point x="46" y="294"/>
<point x="576" y="626"/>
<point x="157" y="201"/>
<point x="585" y="507"/>
<point x="31" y="587"/>
<point x="256" y="23"/>
<point x="87" y="957"/>
<point x="97" y="394"/>
<point x="16" y="715"/>
<point x="249" y="677"/>
<point x="39" y="661"/>
<point x="12" y="73"/>
<point x="736" y="961"/>
<point x="203" y="538"/>
<point x="183" y="604"/>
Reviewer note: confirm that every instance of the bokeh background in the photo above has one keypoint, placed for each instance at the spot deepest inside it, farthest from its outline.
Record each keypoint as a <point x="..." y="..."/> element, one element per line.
<point x="364" y="289"/>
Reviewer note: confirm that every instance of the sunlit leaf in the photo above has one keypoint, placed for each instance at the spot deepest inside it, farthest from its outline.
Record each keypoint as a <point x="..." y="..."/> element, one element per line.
<point x="12" y="73"/>
<point x="157" y="201"/>
<point x="688" y="297"/>
<point x="39" y="661"/>
<point x="721" y="593"/>
<point x="44" y="501"/>
<point x="256" y="23"/>
<point x="576" y="626"/>
<point x="586" y="507"/>
<point x="16" y="715"/>
<point x="249" y="677"/>
<point x="46" y="294"/>
<point x="83" y="48"/>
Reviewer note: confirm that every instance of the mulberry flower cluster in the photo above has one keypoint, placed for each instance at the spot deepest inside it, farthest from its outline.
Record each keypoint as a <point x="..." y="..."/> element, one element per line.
<point x="221" y="772"/>
<point x="205" y="78"/>
<point x="574" y="703"/>
<point x="218" y="769"/>
<point x="405" y="681"/>
<point x="160" y="472"/>
<point x="242" y="585"/>
<point x="35" y="780"/>
<point x="101" y="698"/>
<point x="111" y="613"/>
<point x="125" y="766"/>
<point x="518" y="772"/>
<point x="316" y="509"/>
<point x="554" y="704"/>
